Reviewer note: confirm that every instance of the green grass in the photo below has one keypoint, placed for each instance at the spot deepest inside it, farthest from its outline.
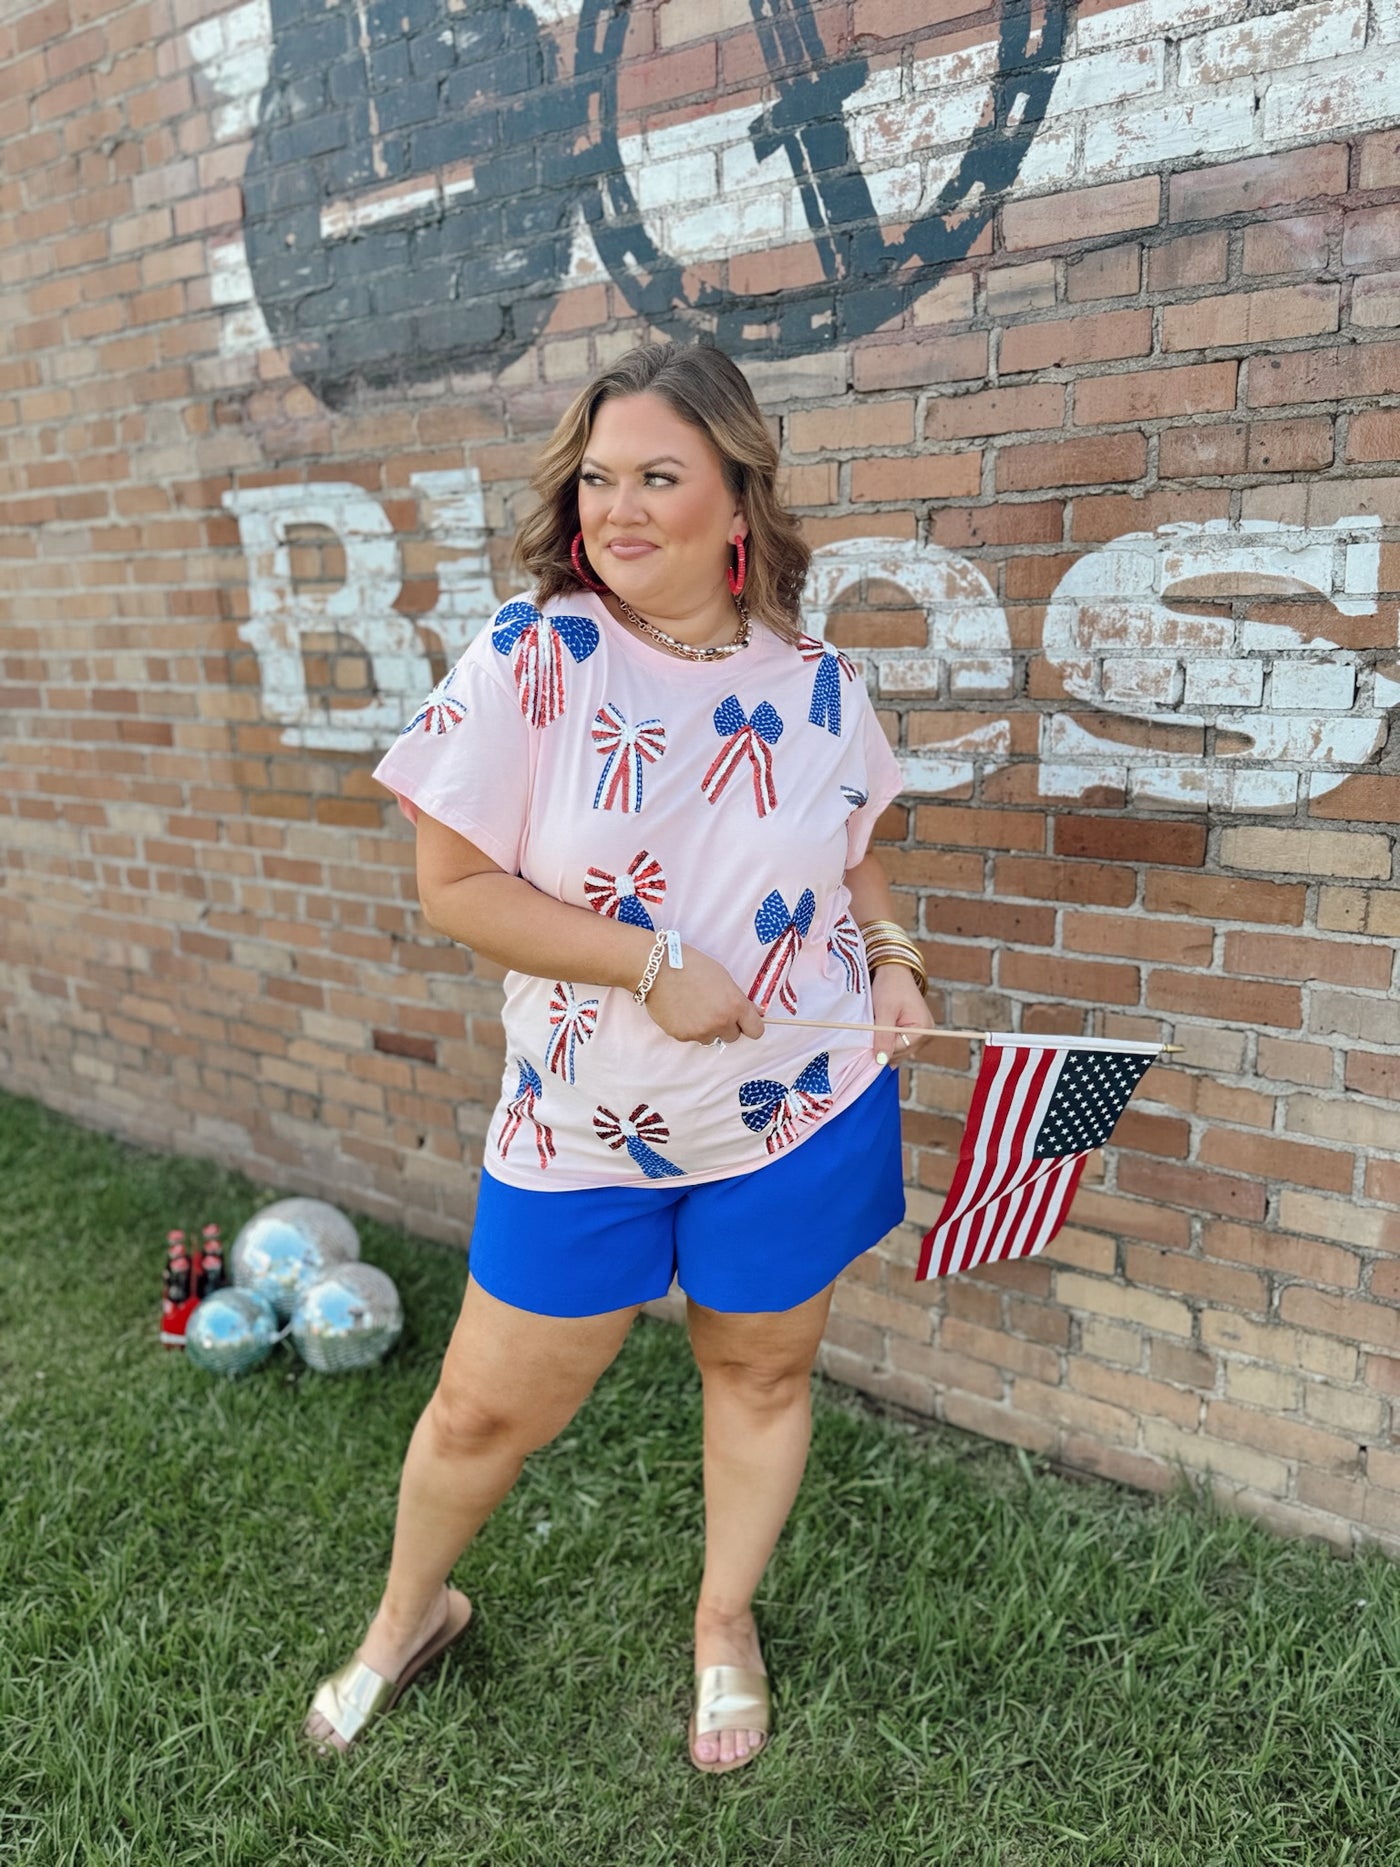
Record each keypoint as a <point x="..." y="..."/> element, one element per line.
<point x="974" y="1661"/>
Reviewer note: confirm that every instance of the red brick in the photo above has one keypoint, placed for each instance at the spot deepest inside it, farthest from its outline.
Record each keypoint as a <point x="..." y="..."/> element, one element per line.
<point x="1374" y="1073"/>
<point x="1153" y="1134"/>
<point x="1371" y="237"/>
<point x="1086" y="214"/>
<point x="980" y="829"/>
<point x="1133" y="1390"/>
<point x="1139" y="936"/>
<point x="1301" y="445"/>
<point x="862" y="424"/>
<point x="1097" y="461"/>
<point x="1101" y="516"/>
<point x="1353" y="371"/>
<point x="995" y="411"/>
<point x="1233" y="1001"/>
<point x="933" y="360"/>
<point x="1353" y="1319"/>
<point x="1189" y="1187"/>
<point x="1370" y="797"/>
<point x="1258" y="317"/>
<point x="1374" y="435"/>
<point x="1299" y="245"/>
<point x="1287" y="1438"/>
<point x="1272" y="1157"/>
<point x="1285" y="956"/>
<point x="1148" y="395"/>
<point x="1007" y="522"/>
<point x="1257" y="182"/>
<point x="928" y="476"/>
<point x="1055" y="342"/>
<point x="1118" y="839"/>
<point x="1190" y="259"/>
<point x="1218" y="1284"/>
<point x="1224" y="898"/>
<point x="1209" y="451"/>
<point x="990" y="920"/>
<point x="1112" y="272"/>
<point x="1080" y="882"/>
<point x="1281" y="1255"/>
<point x="1049" y="977"/>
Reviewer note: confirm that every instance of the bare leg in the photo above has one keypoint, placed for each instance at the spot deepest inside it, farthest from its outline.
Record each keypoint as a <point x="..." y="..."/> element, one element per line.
<point x="510" y="1382"/>
<point x="758" y="1426"/>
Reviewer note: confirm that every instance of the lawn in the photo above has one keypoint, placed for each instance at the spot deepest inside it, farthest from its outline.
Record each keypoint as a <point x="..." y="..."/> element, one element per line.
<point x="975" y="1661"/>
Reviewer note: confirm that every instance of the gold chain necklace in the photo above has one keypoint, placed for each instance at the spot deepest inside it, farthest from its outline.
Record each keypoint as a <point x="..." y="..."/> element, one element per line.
<point x="688" y="649"/>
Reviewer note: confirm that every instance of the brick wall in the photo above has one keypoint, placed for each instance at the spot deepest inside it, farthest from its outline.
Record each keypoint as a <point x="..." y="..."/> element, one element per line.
<point x="1088" y="386"/>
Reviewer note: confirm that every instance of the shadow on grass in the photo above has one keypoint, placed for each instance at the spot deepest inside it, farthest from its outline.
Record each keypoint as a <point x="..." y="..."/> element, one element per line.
<point x="974" y="1661"/>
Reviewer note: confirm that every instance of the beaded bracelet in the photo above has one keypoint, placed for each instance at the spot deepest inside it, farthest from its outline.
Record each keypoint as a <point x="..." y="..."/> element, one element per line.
<point x="887" y="944"/>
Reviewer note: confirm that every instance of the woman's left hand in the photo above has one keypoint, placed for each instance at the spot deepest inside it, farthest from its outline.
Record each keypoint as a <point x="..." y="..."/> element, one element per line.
<point x="896" y="999"/>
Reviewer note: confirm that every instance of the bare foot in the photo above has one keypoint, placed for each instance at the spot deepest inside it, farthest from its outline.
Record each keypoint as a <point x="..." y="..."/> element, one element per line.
<point x="388" y="1646"/>
<point x="727" y="1640"/>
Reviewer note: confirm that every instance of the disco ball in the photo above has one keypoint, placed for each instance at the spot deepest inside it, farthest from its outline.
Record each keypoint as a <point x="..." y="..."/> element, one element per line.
<point x="289" y="1243"/>
<point x="231" y="1331"/>
<point x="348" y="1318"/>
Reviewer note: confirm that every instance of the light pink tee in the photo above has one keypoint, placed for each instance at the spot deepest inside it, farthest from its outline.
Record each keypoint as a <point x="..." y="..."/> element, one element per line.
<point x="724" y="799"/>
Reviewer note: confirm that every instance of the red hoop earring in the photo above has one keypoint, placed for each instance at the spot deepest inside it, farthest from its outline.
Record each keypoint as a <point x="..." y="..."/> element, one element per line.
<point x="576" y="554"/>
<point x="736" y="575"/>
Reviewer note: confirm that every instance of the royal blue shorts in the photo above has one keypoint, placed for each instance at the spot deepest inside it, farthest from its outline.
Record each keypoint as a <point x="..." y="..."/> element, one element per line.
<point x="755" y="1242"/>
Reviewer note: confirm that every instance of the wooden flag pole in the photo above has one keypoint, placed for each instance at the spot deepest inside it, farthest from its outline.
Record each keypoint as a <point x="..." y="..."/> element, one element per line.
<point x="900" y="1030"/>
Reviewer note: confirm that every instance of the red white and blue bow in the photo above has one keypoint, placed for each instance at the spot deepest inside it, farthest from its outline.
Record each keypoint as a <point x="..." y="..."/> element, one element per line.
<point x="745" y="738"/>
<point x="832" y="667"/>
<point x="783" y="933"/>
<point x="440" y="712"/>
<point x="573" y="1021"/>
<point x="626" y="897"/>
<point x="846" y="945"/>
<point x="539" y="642"/>
<point x="625" y="748"/>
<point x="637" y="1133"/>
<point x="777" y="1112"/>
<point x="520" y="1109"/>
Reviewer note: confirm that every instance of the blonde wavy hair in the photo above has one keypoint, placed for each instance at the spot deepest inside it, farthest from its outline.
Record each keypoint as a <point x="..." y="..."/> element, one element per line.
<point x="707" y="389"/>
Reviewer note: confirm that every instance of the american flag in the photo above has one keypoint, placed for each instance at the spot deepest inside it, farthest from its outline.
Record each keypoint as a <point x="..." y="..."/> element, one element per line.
<point x="1039" y="1108"/>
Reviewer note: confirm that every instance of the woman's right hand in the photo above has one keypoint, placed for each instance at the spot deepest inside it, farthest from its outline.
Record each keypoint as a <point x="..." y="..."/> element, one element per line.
<point x="701" y="1002"/>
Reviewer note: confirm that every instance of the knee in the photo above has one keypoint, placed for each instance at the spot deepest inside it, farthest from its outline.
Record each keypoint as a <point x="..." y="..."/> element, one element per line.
<point x="763" y="1387"/>
<point x="463" y="1423"/>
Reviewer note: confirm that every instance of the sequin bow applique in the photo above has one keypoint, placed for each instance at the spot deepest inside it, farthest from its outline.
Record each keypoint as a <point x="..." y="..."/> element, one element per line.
<point x="626" y="750"/>
<point x="846" y="946"/>
<point x="441" y="711"/>
<point x="573" y="1021"/>
<point x="777" y="1112"/>
<point x="637" y="1133"/>
<point x="745" y="738"/>
<point x="782" y="932"/>
<point x="627" y="897"/>
<point x="832" y="668"/>
<point x="538" y="642"/>
<point x="520" y="1109"/>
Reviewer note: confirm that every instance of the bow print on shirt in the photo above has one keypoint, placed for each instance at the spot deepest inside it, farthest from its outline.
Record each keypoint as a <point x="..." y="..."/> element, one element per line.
<point x="776" y="1112"/>
<point x="625" y="749"/>
<point x="745" y="738"/>
<point x="832" y="668"/>
<point x="520" y="1109"/>
<point x="539" y="642"/>
<point x="626" y="897"/>
<point x="783" y="933"/>
<point x="441" y="711"/>
<point x="642" y="1127"/>
<point x="573" y="1021"/>
<point x="846" y="945"/>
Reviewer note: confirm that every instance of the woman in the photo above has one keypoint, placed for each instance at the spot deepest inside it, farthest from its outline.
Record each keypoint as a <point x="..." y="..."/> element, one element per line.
<point x="649" y="796"/>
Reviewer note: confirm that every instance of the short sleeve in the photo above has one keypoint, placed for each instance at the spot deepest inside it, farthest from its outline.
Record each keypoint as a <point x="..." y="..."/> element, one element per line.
<point x="464" y="757"/>
<point x="883" y="782"/>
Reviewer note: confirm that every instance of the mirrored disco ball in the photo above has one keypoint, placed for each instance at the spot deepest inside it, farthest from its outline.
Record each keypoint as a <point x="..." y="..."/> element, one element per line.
<point x="282" y="1248"/>
<point x="231" y="1331"/>
<point x="348" y="1318"/>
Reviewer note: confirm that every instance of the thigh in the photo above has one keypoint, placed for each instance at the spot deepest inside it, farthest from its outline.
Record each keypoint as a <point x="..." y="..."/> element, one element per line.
<point x="515" y="1371"/>
<point x="767" y="1346"/>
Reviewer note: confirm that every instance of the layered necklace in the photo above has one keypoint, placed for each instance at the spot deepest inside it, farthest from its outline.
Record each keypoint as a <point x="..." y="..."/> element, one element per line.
<point x="688" y="649"/>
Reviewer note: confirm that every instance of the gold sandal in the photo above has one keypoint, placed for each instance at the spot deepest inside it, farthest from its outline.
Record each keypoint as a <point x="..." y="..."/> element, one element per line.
<point x="729" y="1698"/>
<point x="353" y="1698"/>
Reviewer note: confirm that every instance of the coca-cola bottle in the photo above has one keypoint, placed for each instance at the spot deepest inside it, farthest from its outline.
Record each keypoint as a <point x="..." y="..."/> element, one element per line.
<point x="176" y="1295"/>
<point x="212" y="1275"/>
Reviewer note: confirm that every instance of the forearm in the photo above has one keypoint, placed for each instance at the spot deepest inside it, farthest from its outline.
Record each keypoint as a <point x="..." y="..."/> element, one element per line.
<point x="872" y="898"/>
<point x="507" y="919"/>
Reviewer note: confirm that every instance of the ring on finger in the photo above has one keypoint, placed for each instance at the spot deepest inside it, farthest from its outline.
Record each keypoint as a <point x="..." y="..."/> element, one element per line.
<point x="716" y="1043"/>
